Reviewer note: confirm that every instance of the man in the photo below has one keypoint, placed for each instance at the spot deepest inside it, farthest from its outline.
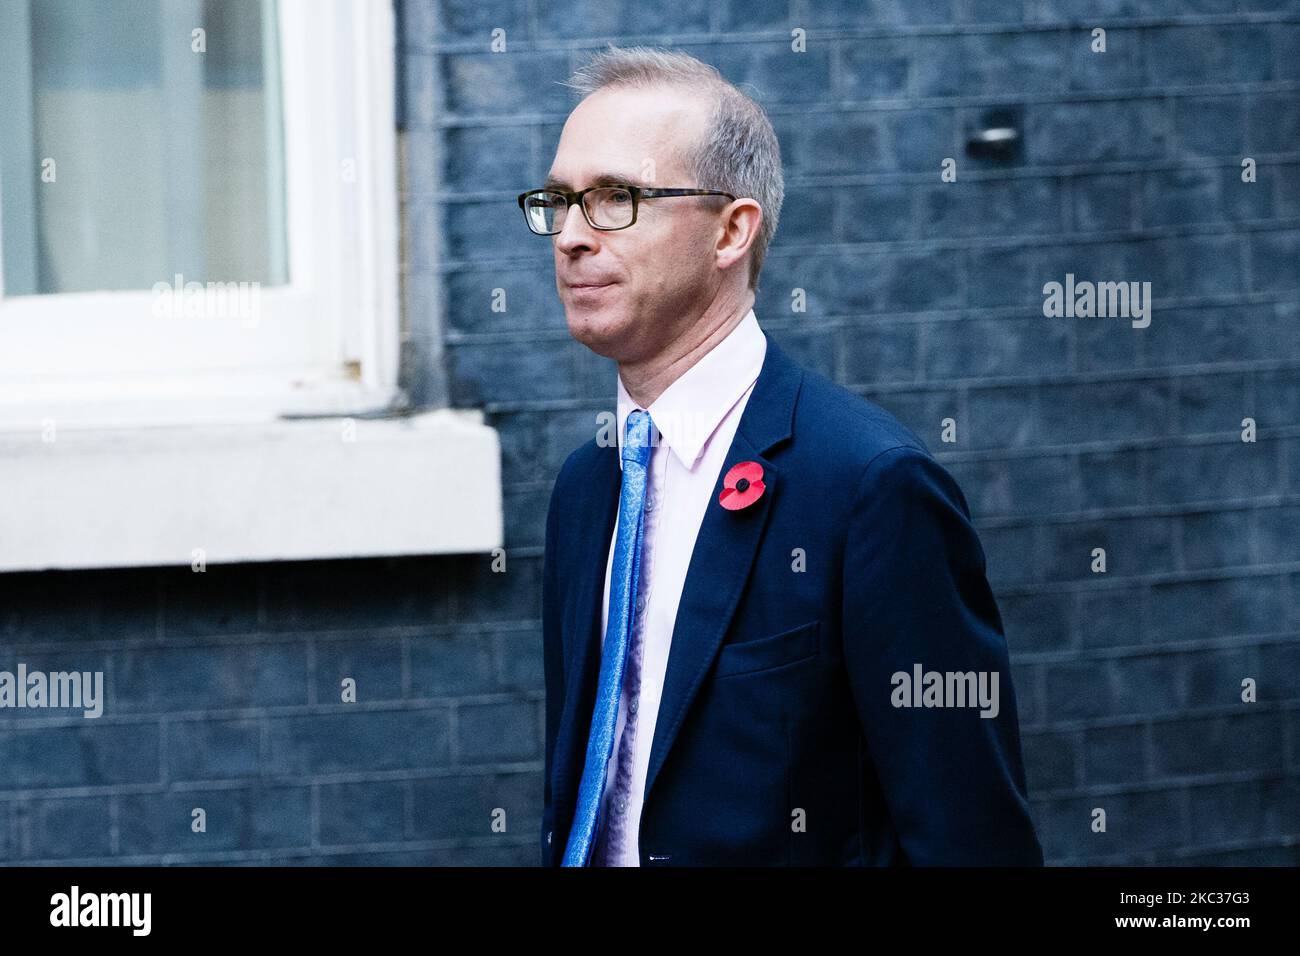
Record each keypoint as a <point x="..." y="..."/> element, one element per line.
<point x="794" y="656"/>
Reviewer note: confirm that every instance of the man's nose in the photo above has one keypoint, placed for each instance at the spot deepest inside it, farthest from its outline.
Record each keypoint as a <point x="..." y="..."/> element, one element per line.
<point x="576" y="233"/>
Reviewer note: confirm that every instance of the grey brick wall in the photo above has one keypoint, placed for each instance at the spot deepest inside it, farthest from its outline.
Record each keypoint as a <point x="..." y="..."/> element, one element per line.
<point x="924" y="296"/>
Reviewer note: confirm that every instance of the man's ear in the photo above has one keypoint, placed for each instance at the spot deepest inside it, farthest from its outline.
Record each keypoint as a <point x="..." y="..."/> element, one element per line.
<point x="739" y="230"/>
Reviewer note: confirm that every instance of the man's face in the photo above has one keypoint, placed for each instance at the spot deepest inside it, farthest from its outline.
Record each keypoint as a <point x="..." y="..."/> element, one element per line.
<point x="628" y="293"/>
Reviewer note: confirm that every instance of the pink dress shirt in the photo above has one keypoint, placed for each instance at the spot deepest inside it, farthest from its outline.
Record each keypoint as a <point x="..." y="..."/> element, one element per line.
<point x="695" y="421"/>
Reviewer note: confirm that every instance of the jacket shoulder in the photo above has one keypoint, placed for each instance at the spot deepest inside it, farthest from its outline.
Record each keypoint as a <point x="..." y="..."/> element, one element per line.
<point x="846" y="430"/>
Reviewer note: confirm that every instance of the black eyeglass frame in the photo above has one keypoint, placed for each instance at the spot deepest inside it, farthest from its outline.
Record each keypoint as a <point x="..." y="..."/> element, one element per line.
<point x="638" y="193"/>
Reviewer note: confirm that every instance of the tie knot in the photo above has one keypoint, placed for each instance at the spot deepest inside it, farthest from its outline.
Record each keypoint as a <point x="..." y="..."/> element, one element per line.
<point x="636" y="438"/>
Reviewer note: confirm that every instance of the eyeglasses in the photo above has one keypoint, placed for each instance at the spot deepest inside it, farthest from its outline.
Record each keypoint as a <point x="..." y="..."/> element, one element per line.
<point x="605" y="207"/>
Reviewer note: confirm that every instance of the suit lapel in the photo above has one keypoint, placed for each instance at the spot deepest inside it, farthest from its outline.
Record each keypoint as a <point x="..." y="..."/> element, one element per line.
<point x="724" y="551"/>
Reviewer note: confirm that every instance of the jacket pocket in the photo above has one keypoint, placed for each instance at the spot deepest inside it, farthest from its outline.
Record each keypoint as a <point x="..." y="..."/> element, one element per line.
<point x="765" y="653"/>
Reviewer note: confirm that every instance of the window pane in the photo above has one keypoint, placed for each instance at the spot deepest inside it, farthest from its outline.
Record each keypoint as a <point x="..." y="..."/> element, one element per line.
<point x="141" y="139"/>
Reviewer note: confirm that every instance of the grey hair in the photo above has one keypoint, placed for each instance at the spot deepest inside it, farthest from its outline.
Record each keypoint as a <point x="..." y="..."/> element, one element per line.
<point x="740" y="153"/>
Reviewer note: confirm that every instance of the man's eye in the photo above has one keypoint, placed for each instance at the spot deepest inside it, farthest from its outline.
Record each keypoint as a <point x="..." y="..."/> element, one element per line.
<point x="620" y="195"/>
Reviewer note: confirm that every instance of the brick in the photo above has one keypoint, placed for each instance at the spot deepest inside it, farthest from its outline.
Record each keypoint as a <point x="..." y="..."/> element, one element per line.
<point x="452" y="665"/>
<point x="880" y="212"/>
<point x="772" y="73"/>
<point x="490" y="157"/>
<point x="1009" y="346"/>
<point x="879" y="13"/>
<point x="880" y="352"/>
<point x="1118" y="68"/>
<point x="1148" y="685"/>
<point x="521" y="660"/>
<point x="1027" y="679"/>
<point x="419" y="21"/>
<point x="512" y="372"/>
<point x="984" y="207"/>
<point x="1272" y="123"/>
<point x="1224" y="813"/>
<point x="80" y="755"/>
<point x="1050" y="760"/>
<point x="1214" y="676"/>
<point x="1278" y="670"/>
<point x="1216" y="539"/>
<point x="1001" y="277"/>
<point x="467" y="20"/>
<point x="368" y="812"/>
<point x="1094" y="132"/>
<point x="1206" y="335"/>
<point x="808" y="213"/>
<point x="1273" y="259"/>
<point x="1023" y="487"/>
<point x="1211" y="403"/>
<point x="873" y="69"/>
<point x="70" y="828"/>
<point x="1112" y="617"/>
<point x="1134" y="547"/>
<point x="375" y="665"/>
<point x="1114" y="755"/>
<point x="387" y="592"/>
<point x="1191" y="747"/>
<point x="1193" y="610"/>
<point x="486" y="597"/>
<point x="988" y="64"/>
<point x="200" y="750"/>
<point x="752" y="16"/>
<point x="222" y="600"/>
<point x="525" y="515"/>
<point x="483" y="84"/>
<point x="497" y="227"/>
<point x="1103" y="202"/>
<point x="357" y="741"/>
<point x="1203" y="56"/>
<point x="180" y="679"/>
<point x="58" y="606"/>
<point x="494" y="732"/>
<point x="464" y="806"/>
<point x="1003" y="417"/>
<point x="815" y="349"/>
<point x="1191" y="473"/>
<point x="1111" y="478"/>
<point x="253" y="818"/>
<point x="1012" y="555"/>
<point x="1036" y="622"/>
<point x="1079" y="690"/>
<point x="1210" y="125"/>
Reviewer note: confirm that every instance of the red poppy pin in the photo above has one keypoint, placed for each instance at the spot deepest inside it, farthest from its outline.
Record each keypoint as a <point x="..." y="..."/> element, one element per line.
<point x="742" y="486"/>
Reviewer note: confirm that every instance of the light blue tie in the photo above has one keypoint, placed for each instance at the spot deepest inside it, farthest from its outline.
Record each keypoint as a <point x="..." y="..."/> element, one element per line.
<point x="622" y="589"/>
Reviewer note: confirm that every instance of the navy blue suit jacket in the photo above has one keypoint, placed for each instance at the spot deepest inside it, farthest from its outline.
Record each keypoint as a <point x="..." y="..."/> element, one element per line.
<point x="777" y="740"/>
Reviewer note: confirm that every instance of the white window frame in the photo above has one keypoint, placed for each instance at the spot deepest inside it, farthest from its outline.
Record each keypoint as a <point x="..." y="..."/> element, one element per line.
<point x="118" y="457"/>
<point x="326" y="343"/>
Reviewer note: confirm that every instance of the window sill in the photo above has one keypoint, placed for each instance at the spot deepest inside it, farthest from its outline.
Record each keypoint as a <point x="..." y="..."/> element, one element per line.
<point x="268" y="491"/>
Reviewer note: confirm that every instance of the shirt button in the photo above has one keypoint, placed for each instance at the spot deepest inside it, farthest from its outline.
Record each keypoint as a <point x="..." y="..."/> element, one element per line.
<point x="650" y="503"/>
<point x="622" y="805"/>
<point x="640" y="603"/>
<point x="633" y="706"/>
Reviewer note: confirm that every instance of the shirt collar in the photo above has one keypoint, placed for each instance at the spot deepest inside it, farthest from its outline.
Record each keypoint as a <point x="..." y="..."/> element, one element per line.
<point x="690" y="409"/>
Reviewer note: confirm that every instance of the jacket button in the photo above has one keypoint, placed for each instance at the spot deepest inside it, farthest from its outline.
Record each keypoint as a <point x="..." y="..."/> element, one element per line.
<point x="548" y="837"/>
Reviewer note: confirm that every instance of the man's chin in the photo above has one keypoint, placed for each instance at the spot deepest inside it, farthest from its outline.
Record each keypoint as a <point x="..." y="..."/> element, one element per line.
<point x="602" y="336"/>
